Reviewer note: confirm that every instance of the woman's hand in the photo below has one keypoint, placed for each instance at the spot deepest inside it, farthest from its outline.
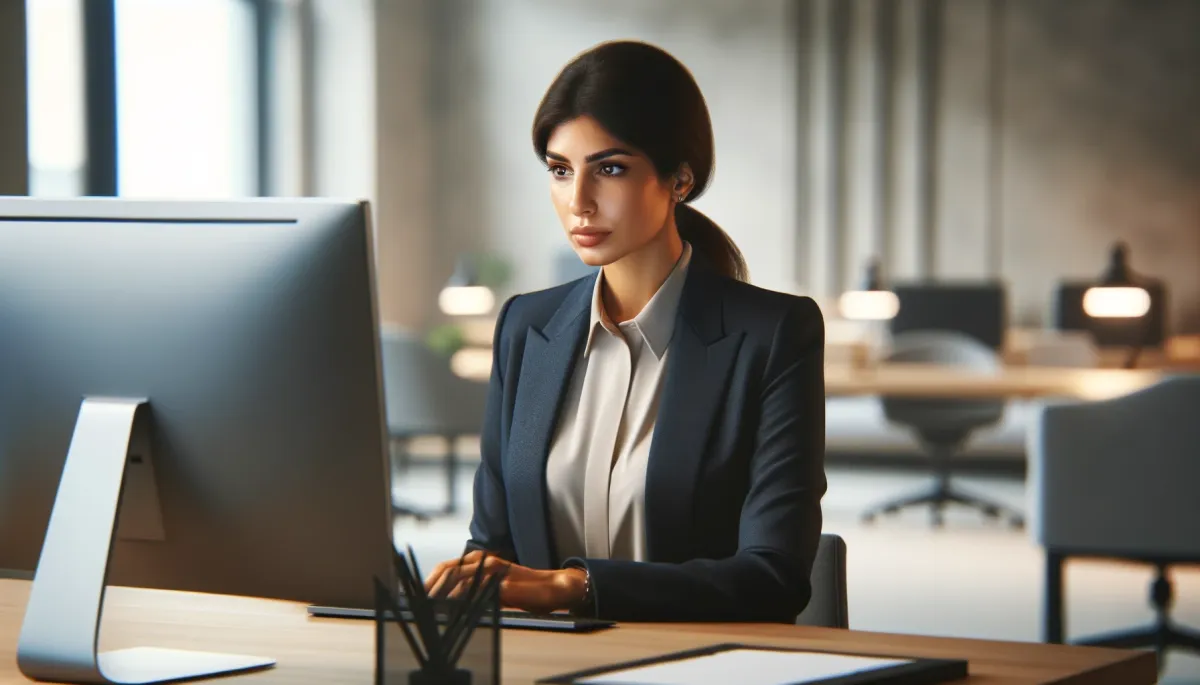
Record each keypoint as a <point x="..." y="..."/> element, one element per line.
<point x="532" y="590"/>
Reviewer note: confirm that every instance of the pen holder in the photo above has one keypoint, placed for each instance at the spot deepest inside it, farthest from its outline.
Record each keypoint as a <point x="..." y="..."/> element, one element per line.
<point x="420" y="640"/>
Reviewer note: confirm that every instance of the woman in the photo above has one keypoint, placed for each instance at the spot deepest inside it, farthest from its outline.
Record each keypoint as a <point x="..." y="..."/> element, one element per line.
<point x="654" y="440"/>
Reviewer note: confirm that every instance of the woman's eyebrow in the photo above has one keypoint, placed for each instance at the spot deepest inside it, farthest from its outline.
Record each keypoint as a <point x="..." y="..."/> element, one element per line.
<point x="594" y="157"/>
<point x="605" y="154"/>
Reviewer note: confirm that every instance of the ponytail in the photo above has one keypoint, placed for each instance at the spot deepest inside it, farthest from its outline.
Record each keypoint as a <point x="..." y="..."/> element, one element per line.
<point x="710" y="242"/>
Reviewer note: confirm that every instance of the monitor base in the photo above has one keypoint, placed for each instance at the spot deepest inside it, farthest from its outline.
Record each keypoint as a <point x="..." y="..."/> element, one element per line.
<point x="108" y="465"/>
<point x="144" y="665"/>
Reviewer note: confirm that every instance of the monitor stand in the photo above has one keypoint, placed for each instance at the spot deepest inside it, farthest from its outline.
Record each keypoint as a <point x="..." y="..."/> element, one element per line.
<point x="108" y="465"/>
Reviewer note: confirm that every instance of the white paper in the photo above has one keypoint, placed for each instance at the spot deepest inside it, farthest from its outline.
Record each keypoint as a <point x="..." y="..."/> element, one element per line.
<point x="746" y="667"/>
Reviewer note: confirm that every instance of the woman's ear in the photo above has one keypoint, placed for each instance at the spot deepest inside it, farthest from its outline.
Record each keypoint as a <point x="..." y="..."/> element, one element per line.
<point x="683" y="183"/>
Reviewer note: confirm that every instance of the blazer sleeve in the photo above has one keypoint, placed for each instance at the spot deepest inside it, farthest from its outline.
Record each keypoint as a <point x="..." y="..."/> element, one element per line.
<point x="768" y="578"/>
<point x="489" y="527"/>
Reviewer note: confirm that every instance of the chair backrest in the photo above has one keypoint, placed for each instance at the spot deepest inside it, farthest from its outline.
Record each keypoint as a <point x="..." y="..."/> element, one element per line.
<point x="945" y="417"/>
<point x="1119" y="476"/>
<point x="978" y="309"/>
<point x="828" y="606"/>
<point x="422" y="395"/>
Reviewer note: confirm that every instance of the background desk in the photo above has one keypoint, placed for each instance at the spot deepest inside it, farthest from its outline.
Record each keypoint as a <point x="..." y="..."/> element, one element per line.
<point x="319" y="651"/>
<point x="1011" y="382"/>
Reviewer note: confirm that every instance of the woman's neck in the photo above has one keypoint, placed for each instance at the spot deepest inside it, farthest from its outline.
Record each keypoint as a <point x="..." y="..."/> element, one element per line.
<point x="630" y="282"/>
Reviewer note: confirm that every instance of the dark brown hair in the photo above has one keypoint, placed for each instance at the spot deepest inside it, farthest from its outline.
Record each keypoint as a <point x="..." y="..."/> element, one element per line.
<point x="645" y="98"/>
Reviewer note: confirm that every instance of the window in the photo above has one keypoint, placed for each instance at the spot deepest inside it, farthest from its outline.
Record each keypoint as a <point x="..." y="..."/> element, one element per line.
<point x="186" y="98"/>
<point x="57" y="144"/>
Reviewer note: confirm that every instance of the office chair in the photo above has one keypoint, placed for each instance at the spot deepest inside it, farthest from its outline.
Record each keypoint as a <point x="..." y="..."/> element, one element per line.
<point x="1119" y="479"/>
<point x="828" y="606"/>
<point x="424" y="397"/>
<point x="942" y="426"/>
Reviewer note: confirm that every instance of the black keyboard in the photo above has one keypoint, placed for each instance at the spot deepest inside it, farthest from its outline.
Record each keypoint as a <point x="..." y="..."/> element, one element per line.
<point x="508" y="619"/>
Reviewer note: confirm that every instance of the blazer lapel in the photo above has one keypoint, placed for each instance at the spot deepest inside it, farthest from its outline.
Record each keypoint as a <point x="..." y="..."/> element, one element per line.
<point x="546" y="368"/>
<point x="701" y="358"/>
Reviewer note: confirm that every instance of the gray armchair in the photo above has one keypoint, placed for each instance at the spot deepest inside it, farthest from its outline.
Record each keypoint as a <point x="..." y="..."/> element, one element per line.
<point x="1119" y="479"/>
<point x="942" y="426"/>
<point x="828" y="606"/>
<point x="424" y="397"/>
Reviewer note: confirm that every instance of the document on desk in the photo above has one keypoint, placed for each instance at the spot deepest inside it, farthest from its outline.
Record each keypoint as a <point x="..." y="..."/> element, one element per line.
<point x="751" y="666"/>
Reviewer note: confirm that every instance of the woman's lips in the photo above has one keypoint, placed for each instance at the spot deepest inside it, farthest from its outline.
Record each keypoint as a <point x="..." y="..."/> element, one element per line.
<point x="589" y="237"/>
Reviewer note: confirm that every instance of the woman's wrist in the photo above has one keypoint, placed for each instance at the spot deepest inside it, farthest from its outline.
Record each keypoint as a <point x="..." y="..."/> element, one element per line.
<point x="574" y="584"/>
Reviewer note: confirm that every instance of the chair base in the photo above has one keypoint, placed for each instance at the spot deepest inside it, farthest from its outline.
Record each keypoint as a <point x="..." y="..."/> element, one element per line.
<point x="937" y="497"/>
<point x="1161" y="637"/>
<point x="1157" y="636"/>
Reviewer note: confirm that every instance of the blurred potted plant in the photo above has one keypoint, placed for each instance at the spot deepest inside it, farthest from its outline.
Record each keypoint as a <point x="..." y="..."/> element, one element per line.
<point x="446" y="339"/>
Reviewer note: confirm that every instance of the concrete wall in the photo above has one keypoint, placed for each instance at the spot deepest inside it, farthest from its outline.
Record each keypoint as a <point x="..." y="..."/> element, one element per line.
<point x="1101" y="142"/>
<point x="1019" y="139"/>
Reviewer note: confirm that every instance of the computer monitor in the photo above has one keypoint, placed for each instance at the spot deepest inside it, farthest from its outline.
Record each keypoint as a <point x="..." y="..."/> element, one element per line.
<point x="978" y="309"/>
<point x="212" y="366"/>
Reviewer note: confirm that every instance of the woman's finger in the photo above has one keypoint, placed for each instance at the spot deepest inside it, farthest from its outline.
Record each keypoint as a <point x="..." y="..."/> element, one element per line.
<point x="465" y="577"/>
<point x="448" y="569"/>
<point x="490" y="565"/>
<point x="434" y="577"/>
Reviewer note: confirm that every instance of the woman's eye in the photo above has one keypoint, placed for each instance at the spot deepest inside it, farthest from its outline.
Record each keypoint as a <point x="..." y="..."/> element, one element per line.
<point x="611" y="169"/>
<point x="558" y="171"/>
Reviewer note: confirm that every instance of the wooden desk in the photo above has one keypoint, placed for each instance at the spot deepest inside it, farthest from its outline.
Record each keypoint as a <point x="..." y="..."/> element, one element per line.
<point x="319" y="651"/>
<point x="1011" y="382"/>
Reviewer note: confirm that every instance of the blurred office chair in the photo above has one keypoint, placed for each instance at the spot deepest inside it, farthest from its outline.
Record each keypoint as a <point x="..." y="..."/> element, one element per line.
<point x="942" y="426"/>
<point x="1119" y="479"/>
<point x="828" y="606"/>
<point x="424" y="397"/>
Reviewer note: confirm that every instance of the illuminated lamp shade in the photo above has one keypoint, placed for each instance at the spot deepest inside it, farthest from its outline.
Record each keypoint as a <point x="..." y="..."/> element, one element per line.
<point x="1116" y="295"/>
<point x="873" y="302"/>
<point x="1103" y="302"/>
<point x="463" y="295"/>
<point x="869" y="305"/>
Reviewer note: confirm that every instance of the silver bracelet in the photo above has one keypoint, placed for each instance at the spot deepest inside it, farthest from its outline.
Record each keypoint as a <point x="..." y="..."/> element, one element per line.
<point x="585" y="605"/>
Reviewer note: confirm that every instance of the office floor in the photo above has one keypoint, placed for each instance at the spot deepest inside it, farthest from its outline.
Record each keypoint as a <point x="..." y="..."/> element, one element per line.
<point x="970" y="579"/>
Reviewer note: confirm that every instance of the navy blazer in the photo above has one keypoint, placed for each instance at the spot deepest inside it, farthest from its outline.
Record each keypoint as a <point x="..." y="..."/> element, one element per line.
<point x="736" y="469"/>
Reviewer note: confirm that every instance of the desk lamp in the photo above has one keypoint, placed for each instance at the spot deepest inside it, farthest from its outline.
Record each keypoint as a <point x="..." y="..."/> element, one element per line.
<point x="464" y="295"/>
<point x="873" y="303"/>
<point x="1118" y="296"/>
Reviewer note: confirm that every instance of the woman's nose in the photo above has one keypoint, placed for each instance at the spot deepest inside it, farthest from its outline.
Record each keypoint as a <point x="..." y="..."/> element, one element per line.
<point x="583" y="202"/>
